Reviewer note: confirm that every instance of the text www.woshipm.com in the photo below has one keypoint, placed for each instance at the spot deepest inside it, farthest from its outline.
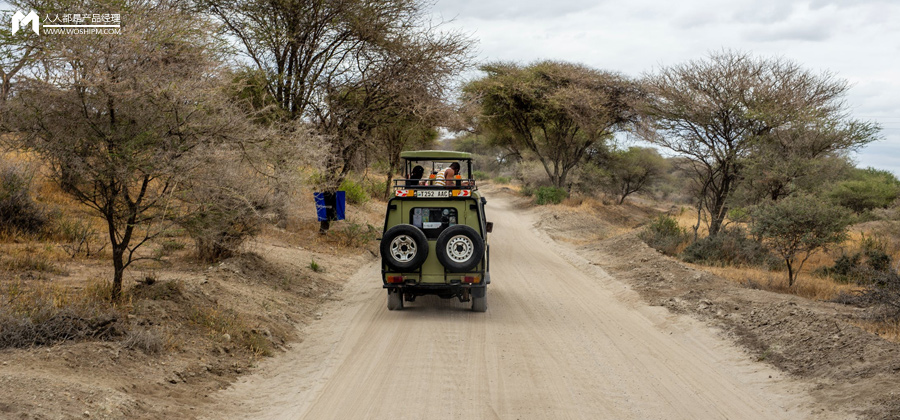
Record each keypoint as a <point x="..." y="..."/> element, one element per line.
<point x="83" y="31"/>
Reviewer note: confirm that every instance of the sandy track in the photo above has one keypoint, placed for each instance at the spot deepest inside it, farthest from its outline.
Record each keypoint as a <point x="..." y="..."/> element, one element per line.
<point x="560" y="339"/>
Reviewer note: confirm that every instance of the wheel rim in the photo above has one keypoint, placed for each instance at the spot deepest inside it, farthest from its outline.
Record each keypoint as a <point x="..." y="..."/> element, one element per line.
<point x="403" y="248"/>
<point x="460" y="248"/>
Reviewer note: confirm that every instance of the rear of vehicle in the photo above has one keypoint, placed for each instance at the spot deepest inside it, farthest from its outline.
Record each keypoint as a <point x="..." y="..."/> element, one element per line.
<point x="435" y="236"/>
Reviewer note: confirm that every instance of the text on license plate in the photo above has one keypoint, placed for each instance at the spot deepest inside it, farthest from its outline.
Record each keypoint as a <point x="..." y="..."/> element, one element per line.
<point x="433" y="194"/>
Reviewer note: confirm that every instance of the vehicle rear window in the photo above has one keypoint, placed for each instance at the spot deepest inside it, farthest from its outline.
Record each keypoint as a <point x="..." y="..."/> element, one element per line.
<point x="433" y="220"/>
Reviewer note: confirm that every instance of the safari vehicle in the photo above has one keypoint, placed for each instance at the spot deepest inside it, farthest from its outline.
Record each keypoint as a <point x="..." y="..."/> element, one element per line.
<point x="435" y="236"/>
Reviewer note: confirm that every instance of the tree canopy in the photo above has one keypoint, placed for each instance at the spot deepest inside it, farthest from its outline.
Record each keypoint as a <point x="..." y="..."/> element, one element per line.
<point x="121" y="116"/>
<point x="554" y="111"/>
<point x="730" y="109"/>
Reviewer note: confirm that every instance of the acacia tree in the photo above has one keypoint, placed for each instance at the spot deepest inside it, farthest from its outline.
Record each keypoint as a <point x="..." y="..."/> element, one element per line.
<point x="340" y="64"/>
<point x="396" y="100"/>
<point x="554" y="111"/>
<point x="802" y="156"/>
<point x="798" y="225"/>
<point x="725" y="111"/>
<point x="122" y="117"/>
<point x="14" y="56"/>
<point x="633" y="170"/>
<point x="18" y="54"/>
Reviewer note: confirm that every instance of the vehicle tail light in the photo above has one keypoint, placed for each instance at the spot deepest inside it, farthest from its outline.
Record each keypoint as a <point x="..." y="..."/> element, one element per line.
<point x="395" y="279"/>
<point x="471" y="279"/>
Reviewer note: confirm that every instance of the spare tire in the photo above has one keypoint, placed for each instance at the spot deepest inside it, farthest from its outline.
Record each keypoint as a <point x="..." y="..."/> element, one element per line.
<point x="404" y="248"/>
<point x="459" y="248"/>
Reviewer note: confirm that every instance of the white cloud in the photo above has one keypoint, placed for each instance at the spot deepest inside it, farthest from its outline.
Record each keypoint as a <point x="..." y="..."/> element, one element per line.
<point x="857" y="39"/>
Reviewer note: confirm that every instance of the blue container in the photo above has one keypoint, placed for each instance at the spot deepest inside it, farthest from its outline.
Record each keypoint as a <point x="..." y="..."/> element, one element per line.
<point x="330" y="206"/>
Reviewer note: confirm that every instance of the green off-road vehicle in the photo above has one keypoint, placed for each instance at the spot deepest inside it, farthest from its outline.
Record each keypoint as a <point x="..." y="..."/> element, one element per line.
<point x="435" y="233"/>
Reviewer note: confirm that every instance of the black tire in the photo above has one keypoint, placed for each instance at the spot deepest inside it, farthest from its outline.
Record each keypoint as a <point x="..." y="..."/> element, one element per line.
<point x="404" y="248"/>
<point x="395" y="300"/>
<point x="479" y="300"/>
<point x="459" y="248"/>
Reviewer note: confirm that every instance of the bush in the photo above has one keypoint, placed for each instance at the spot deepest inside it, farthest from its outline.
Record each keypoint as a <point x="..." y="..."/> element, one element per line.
<point x="869" y="189"/>
<point x="796" y="226"/>
<point x="46" y="314"/>
<point x="527" y="191"/>
<point x="81" y="237"/>
<point x="480" y="175"/>
<point x="885" y="290"/>
<point x="375" y="188"/>
<point x="354" y="234"/>
<point x="863" y="267"/>
<point x="355" y="192"/>
<point x="665" y="235"/>
<point x="729" y="247"/>
<point x="549" y="195"/>
<point x="18" y="211"/>
<point x="145" y="340"/>
<point x="502" y="180"/>
<point x="225" y="204"/>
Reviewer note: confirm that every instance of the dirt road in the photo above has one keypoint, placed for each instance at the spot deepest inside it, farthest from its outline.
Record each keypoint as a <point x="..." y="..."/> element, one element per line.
<point x="561" y="339"/>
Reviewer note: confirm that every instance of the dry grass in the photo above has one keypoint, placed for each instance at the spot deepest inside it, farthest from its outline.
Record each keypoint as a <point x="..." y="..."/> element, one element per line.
<point x="888" y="330"/>
<point x="32" y="257"/>
<point x="43" y="313"/>
<point x="807" y="285"/>
<point x="687" y="218"/>
<point x="228" y="325"/>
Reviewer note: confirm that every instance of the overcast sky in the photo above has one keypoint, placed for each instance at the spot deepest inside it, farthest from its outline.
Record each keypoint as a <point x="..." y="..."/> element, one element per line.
<point x="859" y="40"/>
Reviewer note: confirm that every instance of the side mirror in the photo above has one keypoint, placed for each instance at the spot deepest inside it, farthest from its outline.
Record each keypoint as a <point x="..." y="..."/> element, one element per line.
<point x="490" y="227"/>
<point x="483" y="201"/>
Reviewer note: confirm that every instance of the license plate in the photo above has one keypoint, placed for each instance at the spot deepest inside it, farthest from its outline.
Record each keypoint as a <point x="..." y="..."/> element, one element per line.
<point x="433" y="193"/>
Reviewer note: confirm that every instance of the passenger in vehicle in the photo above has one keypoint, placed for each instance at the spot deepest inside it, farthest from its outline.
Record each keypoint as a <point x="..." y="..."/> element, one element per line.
<point x="415" y="177"/>
<point x="446" y="174"/>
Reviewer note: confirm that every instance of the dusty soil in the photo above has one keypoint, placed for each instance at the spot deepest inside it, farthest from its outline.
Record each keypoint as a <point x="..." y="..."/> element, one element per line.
<point x="211" y="324"/>
<point x="584" y="321"/>
<point x="562" y="338"/>
<point x="849" y="369"/>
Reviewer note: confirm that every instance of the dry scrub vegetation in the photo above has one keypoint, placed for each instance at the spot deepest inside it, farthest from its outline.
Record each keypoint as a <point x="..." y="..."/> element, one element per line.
<point x="182" y="324"/>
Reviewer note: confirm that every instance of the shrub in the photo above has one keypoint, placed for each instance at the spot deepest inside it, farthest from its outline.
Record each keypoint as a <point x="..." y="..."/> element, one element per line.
<point x="225" y="203"/>
<point x="502" y="180"/>
<point x="665" y="235"/>
<point x="729" y="247"/>
<point x="633" y="170"/>
<point x="549" y="195"/>
<point x="869" y="189"/>
<point x="315" y="267"/>
<point x="871" y="262"/>
<point x="47" y="314"/>
<point x="355" y="234"/>
<point x="81" y="237"/>
<point x="527" y="191"/>
<point x="18" y="211"/>
<point x="145" y="340"/>
<point x="375" y="188"/>
<point x="477" y="175"/>
<point x="355" y="192"/>
<point x="883" y="294"/>
<point x="796" y="226"/>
